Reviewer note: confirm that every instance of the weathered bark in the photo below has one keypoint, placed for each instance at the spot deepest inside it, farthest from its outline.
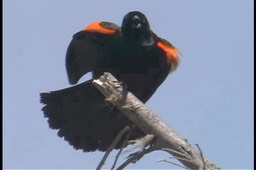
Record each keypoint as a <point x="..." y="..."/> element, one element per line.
<point x="149" y="122"/>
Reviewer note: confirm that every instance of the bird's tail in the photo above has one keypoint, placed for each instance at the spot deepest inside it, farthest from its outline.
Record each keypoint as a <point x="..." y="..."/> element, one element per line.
<point x="83" y="118"/>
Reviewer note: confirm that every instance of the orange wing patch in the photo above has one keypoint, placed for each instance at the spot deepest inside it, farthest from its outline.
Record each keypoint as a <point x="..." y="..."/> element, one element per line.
<point x="172" y="54"/>
<point x="98" y="28"/>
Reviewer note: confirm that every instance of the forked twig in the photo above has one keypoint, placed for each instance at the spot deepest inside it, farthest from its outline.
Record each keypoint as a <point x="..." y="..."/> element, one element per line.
<point x="136" y="156"/>
<point x="122" y="147"/>
<point x="112" y="146"/>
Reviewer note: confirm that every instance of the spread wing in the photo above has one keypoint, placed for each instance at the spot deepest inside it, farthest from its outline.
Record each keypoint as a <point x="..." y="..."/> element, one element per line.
<point x="87" y="46"/>
<point x="83" y="118"/>
<point x="80" y="113"/>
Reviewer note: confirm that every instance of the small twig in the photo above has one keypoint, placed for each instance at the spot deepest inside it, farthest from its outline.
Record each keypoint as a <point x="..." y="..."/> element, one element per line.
<point x="180" y="158"/>
<point x="172" y="150"/>
<point x="122" y="147"/>
<point x="112" y="146"/>
<point x="172" y="163"/>
<point x="202" y="156"/>
<point x="178" y="153"/>
<point x="143" y="142"/>
<point x="136" y="156"/>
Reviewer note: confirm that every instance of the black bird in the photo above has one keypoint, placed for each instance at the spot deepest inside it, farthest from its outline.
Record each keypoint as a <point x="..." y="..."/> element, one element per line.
<point x="133" y="53"/>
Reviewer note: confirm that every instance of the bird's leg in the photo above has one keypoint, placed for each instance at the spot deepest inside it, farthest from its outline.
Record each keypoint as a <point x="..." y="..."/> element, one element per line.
<point x="122" y="87"/>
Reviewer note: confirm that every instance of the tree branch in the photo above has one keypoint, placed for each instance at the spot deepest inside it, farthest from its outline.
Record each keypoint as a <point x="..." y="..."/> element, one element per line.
<point x="149" y="122"/>
<point x="112" y="146"/>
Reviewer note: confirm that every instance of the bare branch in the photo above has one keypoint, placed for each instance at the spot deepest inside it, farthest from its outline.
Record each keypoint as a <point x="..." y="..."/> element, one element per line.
<point x="149" y="122"/>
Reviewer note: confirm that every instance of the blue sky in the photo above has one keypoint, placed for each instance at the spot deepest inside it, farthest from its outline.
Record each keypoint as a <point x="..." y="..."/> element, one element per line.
<point x="208" y="100"/>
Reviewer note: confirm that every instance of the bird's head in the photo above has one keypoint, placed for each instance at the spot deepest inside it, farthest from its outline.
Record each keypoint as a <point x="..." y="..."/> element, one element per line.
<point x="135" y="26"/>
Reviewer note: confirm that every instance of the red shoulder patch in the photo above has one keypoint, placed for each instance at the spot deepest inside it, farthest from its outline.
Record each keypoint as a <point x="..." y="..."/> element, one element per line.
<point x="98" y="27"/>
<point x="172" y="54"/>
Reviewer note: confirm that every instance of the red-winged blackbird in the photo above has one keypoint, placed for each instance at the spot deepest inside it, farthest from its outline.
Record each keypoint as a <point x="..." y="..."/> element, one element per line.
<point x="133" y="54"/>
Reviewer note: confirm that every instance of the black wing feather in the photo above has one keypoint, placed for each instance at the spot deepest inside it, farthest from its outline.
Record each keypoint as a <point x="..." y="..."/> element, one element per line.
<point x="85" y="49"/>
<point x="83" y="118"/>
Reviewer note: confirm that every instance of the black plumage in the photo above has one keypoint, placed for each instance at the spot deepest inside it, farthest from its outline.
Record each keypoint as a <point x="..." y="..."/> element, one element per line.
<point x="133" y="54"/>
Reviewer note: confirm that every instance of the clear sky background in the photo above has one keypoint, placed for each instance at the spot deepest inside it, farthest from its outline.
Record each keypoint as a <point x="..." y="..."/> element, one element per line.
<point x="208" y="100"/>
